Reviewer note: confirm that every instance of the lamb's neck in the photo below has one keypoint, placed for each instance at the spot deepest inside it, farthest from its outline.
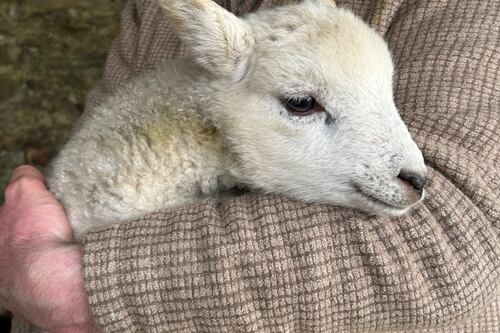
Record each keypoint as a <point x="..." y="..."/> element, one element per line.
<point x="187" y="127"/>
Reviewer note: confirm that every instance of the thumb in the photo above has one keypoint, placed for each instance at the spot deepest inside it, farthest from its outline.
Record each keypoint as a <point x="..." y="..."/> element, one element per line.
<point x="34" y="210"/>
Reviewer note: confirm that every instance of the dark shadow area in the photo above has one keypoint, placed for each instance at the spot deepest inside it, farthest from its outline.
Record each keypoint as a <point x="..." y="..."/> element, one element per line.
<point x="4" y="324"/>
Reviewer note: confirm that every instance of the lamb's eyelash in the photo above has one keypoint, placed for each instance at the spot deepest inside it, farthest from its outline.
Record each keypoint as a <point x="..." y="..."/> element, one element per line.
<point x="295" y="97"/>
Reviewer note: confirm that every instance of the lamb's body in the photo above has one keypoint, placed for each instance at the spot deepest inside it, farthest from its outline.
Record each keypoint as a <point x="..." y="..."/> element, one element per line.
<point x="148" y="147"/>
<point x="296" y="100"/>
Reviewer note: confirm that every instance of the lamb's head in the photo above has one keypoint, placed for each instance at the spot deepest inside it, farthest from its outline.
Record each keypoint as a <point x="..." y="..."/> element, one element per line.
<point x="303" y="94"/>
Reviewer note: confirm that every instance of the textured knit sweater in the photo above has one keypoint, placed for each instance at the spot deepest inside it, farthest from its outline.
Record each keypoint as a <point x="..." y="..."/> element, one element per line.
<point x="263" y="263"/>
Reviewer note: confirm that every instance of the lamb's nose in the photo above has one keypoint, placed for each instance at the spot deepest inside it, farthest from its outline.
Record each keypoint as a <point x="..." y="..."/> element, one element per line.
<point x="416" y="180"/>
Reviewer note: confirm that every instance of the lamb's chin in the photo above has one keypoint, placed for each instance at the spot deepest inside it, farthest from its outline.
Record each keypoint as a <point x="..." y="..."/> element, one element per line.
<point x="382" y="209"/>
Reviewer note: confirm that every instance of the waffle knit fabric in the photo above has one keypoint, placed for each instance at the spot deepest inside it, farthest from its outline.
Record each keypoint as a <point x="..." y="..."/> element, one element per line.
<point x="263" y="263"/>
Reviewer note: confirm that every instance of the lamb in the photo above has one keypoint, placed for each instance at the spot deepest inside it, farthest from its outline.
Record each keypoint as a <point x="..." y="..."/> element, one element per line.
<point x="295" y="100"/>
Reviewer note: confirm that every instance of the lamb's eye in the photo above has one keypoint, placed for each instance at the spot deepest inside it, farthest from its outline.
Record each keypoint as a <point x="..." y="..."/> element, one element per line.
<point x="302" y="106"/>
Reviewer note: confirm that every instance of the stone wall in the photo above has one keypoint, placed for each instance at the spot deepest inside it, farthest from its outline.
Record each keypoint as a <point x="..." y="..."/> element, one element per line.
<point x="51" y="53"/>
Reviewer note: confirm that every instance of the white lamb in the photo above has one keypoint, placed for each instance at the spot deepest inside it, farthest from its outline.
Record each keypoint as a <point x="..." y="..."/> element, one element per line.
<point x="295" y="100"/>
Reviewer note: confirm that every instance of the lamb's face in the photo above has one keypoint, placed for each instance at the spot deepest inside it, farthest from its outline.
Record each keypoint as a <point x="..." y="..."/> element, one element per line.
<point x="315" y="119"/>
<point x="304" y="95"/>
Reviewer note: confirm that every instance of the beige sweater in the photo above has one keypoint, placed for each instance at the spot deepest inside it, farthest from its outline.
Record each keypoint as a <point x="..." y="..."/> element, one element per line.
<point x="268" y="264"/>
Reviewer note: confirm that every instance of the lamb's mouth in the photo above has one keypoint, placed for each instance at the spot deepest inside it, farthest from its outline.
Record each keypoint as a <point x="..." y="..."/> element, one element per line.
<point x="378" y="201"/>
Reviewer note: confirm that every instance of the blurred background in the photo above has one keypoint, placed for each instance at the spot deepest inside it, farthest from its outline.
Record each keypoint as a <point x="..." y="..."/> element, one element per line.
<point x="51" y="53"/>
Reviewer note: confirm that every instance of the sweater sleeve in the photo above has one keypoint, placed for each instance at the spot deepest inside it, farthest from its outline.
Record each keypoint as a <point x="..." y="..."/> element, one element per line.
<point x="264" y="263"/>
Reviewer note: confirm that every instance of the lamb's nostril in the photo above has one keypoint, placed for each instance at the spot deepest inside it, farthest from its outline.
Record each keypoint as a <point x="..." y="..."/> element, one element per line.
<point x="416" y="180"/>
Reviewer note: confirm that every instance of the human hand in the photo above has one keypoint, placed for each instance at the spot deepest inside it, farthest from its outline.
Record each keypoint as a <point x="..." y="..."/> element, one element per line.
<point x="40" y="264"/>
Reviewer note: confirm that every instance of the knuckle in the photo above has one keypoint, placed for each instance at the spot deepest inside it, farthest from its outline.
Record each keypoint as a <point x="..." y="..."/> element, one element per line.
<point x="20" y="186"/>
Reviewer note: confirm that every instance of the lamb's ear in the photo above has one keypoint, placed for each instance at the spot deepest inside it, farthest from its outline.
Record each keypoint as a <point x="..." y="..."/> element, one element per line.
<point x="218" y="40"/>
